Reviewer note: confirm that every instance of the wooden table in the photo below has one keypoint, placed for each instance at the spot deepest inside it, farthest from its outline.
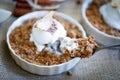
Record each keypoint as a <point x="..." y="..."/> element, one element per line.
<point x="104" y="65"/>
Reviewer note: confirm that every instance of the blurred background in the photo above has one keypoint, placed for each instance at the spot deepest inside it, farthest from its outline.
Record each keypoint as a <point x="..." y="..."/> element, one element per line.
<point x="21" y="7"/>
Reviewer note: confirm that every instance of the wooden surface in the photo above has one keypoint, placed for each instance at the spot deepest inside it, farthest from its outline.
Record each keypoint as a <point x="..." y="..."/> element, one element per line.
<point x="104" y="65"/>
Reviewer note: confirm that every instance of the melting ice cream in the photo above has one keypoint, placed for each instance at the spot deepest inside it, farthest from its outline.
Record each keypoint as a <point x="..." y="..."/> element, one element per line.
<point x="48" y="31"/>
<point x="111" y="13"/>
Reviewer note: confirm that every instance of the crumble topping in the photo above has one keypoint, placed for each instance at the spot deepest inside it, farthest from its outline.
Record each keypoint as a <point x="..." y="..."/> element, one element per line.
<point x="19" y="40"/>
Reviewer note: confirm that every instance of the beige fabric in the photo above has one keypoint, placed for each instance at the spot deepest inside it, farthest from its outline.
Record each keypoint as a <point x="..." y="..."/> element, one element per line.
<point x="104" y="65"/>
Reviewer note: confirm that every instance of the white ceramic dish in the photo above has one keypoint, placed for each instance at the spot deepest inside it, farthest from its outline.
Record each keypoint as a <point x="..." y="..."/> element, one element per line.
<point x="100" y="37"/>
<point x="40" y="69"/>
<point x="4" y="15"/>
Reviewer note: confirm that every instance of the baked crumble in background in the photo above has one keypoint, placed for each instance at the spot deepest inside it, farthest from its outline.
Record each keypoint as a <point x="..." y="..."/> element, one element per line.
<point x="97" y="21"/>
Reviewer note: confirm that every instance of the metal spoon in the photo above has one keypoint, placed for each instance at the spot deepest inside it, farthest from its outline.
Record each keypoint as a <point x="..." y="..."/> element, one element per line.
<point x="107" y="46"/>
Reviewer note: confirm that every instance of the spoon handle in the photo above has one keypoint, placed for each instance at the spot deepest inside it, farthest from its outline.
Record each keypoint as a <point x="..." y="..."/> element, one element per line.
<point x="110" y="45"/>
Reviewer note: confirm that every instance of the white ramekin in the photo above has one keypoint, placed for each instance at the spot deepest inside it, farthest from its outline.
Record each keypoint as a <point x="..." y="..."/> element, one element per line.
<point x="40" y="69"/>
<point x="100" y="36"/>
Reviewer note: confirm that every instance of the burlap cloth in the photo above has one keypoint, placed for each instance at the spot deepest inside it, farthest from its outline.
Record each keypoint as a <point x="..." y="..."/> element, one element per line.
<point x="104" y="65"/>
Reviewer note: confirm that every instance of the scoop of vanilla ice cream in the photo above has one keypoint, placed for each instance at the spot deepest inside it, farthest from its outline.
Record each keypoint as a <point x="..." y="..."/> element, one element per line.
<point x="111" y="13"/>
<point x="68" y="43"/>
<point x="46" y="31"/>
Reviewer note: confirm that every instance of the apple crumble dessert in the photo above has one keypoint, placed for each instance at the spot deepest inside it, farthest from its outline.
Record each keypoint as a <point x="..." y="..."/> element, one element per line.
<point x="105" y="17"/>
<point x="38" y="43"/>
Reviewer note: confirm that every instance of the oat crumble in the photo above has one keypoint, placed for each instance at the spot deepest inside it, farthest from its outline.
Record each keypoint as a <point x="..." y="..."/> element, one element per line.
<point x="19" y="40"/>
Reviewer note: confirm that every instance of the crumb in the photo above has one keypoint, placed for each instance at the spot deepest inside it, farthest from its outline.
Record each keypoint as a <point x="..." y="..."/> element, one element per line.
<point x="69" y="73"/>
<point x="79" y="1"/>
